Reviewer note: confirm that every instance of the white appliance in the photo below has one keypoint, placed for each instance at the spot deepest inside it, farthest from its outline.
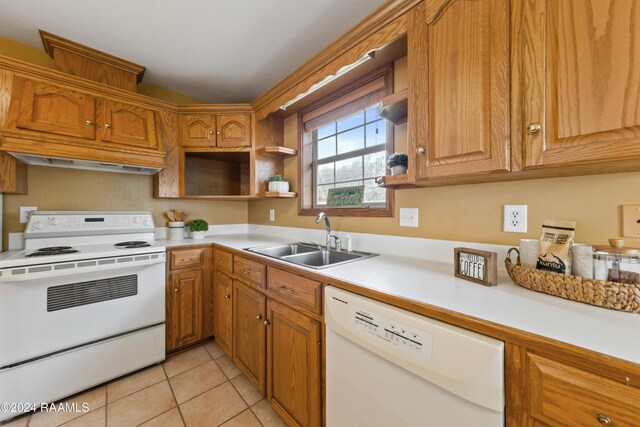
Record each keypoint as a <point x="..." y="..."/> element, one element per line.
<point x="67" y="163"/>
<point x="389" y="367"/>
<point x="82" y="304"/>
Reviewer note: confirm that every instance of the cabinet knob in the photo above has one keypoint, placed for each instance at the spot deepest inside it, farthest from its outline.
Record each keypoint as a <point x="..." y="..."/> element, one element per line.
<point x="218" y="133"/>
<point x="88" y="122"/>
<point x="534" y="128"/>
<point x="259" y="317"/>
<point x="420" y="150"/>
<point x="220" y="261"/>
<point x="175" y="290"/>
<point x="210" y="132"/>
<point x="227" y="296"/>
<point x="267" y="322"/>
<point x="107" y="126"/>
<point x="604" y="420"/>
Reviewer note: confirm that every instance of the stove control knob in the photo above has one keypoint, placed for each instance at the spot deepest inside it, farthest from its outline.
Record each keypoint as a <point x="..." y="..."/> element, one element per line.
<point x="38" y="226"/>
<point x="135" y="220"/>
<point x="145" y="222"/>
<point x="54" y="221"/>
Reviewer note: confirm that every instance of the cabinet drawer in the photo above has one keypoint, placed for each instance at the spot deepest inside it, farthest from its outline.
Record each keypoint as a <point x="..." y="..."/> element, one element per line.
<point x="301" y="291"/>
<point x="187" y="258"/>
<point x="222" y="260"/>
<point x="563" y="395"/>
<point x="250" y="270"/>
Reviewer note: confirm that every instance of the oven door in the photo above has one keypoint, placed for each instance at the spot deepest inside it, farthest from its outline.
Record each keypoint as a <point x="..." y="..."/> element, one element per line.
<point x="46" y="315"/>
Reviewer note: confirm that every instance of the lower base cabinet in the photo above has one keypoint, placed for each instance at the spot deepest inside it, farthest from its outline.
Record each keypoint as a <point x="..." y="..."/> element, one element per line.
<point x="250" y="336"/>
<point x="294" y="357"/>
<point x="223" y="311"/>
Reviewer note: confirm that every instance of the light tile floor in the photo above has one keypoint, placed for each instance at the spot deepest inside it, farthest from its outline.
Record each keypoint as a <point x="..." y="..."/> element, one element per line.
<point x="197" y="387"/>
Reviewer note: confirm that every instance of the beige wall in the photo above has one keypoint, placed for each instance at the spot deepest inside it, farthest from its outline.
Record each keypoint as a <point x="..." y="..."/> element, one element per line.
<point x="38" y="56"/>
<point x="474" y="212"/>
<point x="68" y="189"/>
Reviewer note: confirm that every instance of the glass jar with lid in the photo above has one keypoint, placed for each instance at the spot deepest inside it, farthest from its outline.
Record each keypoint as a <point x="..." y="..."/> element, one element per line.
<point x="617" y="263"/>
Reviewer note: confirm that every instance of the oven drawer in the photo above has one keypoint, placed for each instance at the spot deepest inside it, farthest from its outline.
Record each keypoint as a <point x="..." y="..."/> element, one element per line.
<point x="187" y="258"/>
<point x="222" y="260"/>
<point x="299" y="290"/>
<point x="250" y="270"/>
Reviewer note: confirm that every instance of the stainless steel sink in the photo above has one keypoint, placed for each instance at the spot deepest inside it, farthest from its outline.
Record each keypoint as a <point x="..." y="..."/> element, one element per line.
<point x="278" y="251"/>
<point x="309" y="254"/>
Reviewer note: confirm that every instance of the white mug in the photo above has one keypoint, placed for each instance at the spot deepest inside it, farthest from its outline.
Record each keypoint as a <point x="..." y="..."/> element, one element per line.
<point x="529" y="249"/>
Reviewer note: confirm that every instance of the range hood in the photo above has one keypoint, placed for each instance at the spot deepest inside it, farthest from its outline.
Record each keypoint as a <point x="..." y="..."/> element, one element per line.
<point x="58" y="162"/>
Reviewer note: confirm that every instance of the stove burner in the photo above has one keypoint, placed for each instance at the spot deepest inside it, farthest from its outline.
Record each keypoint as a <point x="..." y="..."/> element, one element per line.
<point x="54" y="248"/>
<point x="133" y="244"/>
<point x="41" y="252"/>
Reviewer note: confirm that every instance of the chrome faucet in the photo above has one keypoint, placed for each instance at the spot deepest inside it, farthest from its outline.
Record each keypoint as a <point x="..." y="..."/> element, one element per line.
<point x="327" y="223"/>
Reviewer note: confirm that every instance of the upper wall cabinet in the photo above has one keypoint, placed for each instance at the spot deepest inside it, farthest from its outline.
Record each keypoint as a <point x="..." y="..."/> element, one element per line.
<point x="52" y="109"/>
<point x="223" y="131"/>
<point x="128" y="124"/>
<point x="579" y="67"/>
<point x="458" y="53"/>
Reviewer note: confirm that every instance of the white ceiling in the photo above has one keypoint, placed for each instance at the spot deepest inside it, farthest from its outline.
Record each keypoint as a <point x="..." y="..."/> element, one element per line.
<point x="214" y="50"/>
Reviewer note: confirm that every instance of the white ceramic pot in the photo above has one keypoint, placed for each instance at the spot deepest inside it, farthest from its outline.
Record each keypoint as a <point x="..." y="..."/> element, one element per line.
<point x="176" y="230"/>
<point x="198" y="234"/>
<point x="279" y="186"/>
<point x="398" y="170"/>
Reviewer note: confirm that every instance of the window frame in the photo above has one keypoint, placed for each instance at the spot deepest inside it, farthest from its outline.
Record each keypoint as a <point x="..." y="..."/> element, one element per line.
<point x="306" y="163"/>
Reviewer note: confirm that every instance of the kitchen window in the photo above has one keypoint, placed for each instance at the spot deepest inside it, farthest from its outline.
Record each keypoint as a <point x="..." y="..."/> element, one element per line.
<point x="345" y="143"/>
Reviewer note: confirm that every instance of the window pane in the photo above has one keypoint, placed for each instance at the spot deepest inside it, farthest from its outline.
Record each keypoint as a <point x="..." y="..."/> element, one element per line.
<point x="349" y="184"/>
<point x="374" y="164"/>
<point x="321" y="194"/>
<point x="327" y="130"/>
<point x="373" y="193"/>
<point x="372" y="114"/>
<point x="327" y="147"/>
<point x="377" y="133"/>
<point x="325" y="173"/>
<point x="349" y="169"/>
<point x="352" y="140"/>
<point x="351" y="121"/>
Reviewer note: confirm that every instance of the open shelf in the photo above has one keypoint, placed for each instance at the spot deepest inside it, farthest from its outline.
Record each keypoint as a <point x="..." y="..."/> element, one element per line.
<point x="395" y="107"/>
<point x="393" y="180"/>
<point x="288" y="194"/>
<point x="276" y="150"/>
<point x="217" y="174"/>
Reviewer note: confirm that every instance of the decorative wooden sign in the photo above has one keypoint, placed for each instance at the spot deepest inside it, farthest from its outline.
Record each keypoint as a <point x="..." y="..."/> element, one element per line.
<point x="476" y="266"/>
<point x="345" y="197"/>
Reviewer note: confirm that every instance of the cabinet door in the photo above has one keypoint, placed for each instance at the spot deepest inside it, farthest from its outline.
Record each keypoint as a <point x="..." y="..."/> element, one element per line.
<point x="53" y="109"/>
<point x="222" y="298"/>
<point x="185" y="308"/>
<point x="198" y="131"/>
<point x="250" y="335"/>
<point x="581" y="79"/>
<point x="128" y="124"/>
<point x="234" y="130"/>
<point x="459" y="87"/>
<point x="293" y="365"/>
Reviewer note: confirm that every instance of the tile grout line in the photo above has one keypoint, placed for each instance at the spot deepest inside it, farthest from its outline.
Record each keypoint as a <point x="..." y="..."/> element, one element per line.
<point x="175" y="399"/>
<point x="247" y="403"/>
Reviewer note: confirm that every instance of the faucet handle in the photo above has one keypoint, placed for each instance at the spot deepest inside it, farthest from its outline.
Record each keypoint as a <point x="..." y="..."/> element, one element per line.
<point x="336" y="241"/>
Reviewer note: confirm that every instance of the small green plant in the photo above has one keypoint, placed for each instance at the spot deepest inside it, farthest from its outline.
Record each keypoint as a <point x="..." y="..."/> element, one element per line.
<point x="398" y="159"/>
<point x="277" y="178"/>
<point x="198" y="225"/>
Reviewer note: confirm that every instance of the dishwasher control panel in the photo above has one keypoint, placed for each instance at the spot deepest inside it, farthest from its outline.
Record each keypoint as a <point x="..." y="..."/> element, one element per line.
<point x="391" y="332"/>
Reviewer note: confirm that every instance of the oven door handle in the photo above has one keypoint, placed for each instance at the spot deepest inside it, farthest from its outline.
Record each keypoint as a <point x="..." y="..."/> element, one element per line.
<point x="26" y="273"/>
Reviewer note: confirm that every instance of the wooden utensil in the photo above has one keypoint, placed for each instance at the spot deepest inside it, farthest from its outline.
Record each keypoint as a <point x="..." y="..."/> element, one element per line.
<point x="179" y="213"/>
<point x="171" y="215"/>
<point x="185" y="215"/>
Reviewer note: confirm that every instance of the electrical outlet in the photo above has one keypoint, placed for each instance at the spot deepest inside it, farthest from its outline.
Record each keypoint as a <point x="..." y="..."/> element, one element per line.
<point x="272" y="215"/>
<point x="408" y="217"/>
<point x="631" y="221"/>
<point x="515" y="219"/>
<point x="25" y="213"/>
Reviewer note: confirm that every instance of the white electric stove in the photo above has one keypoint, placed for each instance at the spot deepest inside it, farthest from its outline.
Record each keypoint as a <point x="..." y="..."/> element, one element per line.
<point x="83" y="303"/>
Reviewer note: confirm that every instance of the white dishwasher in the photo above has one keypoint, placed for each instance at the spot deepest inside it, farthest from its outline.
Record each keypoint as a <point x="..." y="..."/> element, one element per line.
<point x="389" y="367"/>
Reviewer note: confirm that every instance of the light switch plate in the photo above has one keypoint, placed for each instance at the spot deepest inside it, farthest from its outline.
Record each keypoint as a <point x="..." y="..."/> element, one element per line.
<point x="631" y="221"/>
<point x="408" y="217"/>
<point x="272" y="215"/>
<point x="25" y="213"/>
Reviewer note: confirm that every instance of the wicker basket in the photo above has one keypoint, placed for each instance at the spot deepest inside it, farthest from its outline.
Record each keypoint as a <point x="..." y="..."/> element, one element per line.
<point x="616" y="296"/>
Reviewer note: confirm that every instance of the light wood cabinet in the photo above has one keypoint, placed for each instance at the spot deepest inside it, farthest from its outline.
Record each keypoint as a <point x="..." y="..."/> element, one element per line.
<point x="579" y="68"/>
<point x="223" y="131"/>
<point x="189" y="297"/>
<point x="127" y="124"/>
<point x="458" y="53"/>
<point x="184" y="317"/>
<point x="45" y="107"/>
<point x="294" y="354"/>
<point x="249" y="333"/>
<point x="223" y="312"/>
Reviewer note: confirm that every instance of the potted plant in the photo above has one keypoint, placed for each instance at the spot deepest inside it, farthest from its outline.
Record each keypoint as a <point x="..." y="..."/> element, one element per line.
<point x="198" y="228"/>
<point x="398" y="163"/>
<point x="278" y="184"/>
